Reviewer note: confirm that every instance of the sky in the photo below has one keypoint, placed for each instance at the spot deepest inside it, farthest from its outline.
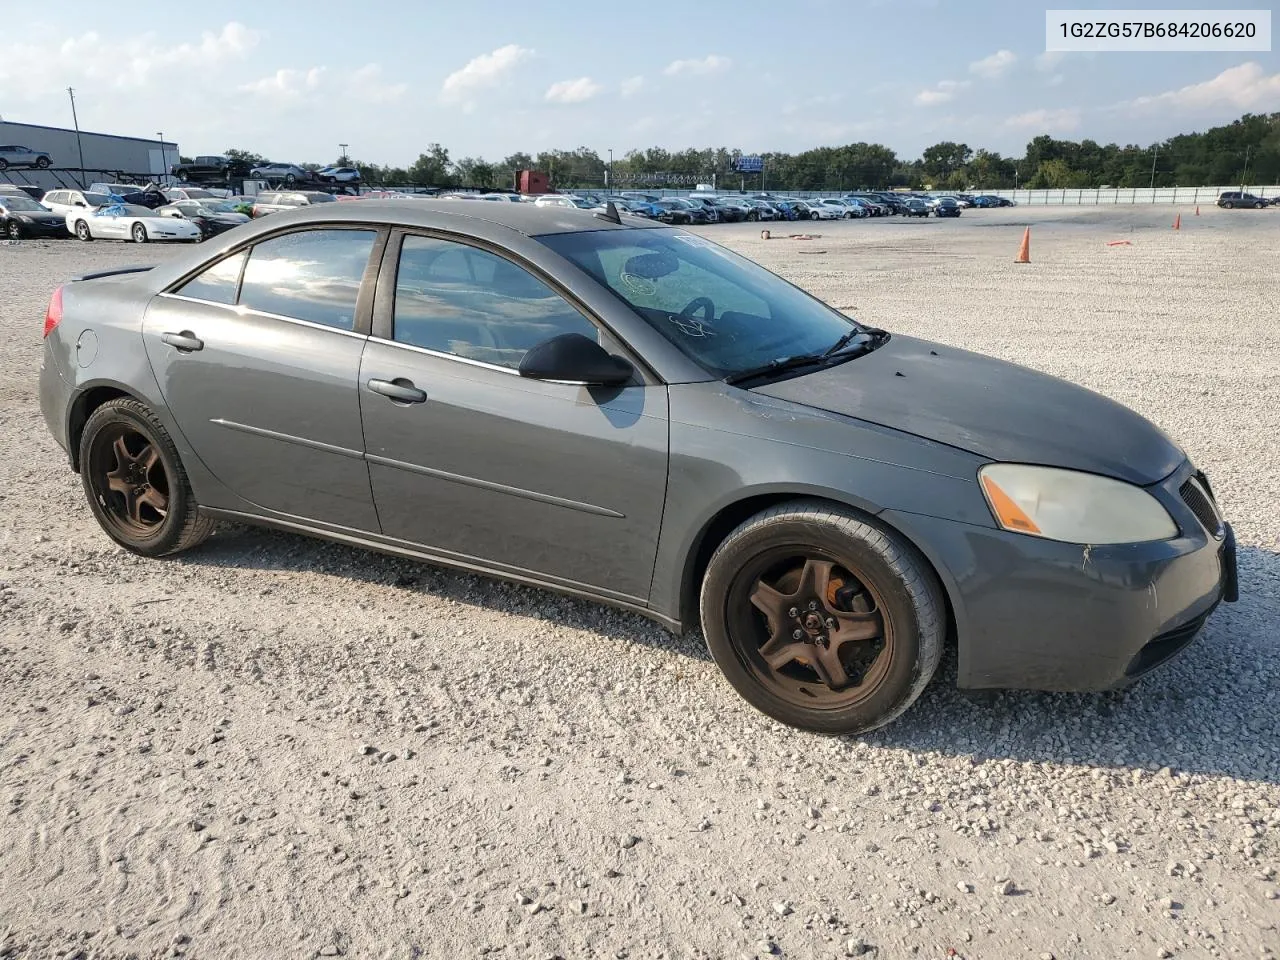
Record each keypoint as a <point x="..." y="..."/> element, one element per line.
<point x="487" y="78"/>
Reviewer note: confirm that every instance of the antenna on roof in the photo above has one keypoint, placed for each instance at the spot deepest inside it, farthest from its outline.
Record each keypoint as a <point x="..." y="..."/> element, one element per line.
<point x="610" y="213"/>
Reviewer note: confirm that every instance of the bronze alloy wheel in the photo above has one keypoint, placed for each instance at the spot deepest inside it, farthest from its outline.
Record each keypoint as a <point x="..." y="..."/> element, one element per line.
<point x="135" y="482"/>
<point x="129" y="481"/>
<point x="810" y="629"/>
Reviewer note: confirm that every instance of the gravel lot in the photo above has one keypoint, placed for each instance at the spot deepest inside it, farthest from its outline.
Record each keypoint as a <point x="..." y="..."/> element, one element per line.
<point x="276" y="747"/>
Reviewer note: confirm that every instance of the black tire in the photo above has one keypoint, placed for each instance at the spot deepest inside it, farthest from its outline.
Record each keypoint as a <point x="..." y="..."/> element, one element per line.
<point x="4" y="164"/>
<point x="289" y="178"/>
<point x="13" y="230"/>
<point x="1228" y="205"/>
<point x="82" y="231"/>
<point x="1259" y="205"/>
<point x="153" y="534"/>
<point x="139" y="233"/>
<point x="888" y="577"/>
<point x="42" y="162"/>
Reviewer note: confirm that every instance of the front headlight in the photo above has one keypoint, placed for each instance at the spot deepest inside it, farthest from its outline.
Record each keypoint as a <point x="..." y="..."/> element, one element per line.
<point x="1071" y="506"/>
<point x="24" y="218"/>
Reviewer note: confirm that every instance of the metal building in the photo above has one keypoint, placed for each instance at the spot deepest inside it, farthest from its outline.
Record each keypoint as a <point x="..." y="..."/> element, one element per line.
<point x="105" y="156"/>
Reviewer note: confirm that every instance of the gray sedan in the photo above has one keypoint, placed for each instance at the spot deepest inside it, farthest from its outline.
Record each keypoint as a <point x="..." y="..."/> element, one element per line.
<point x="601" y="405"/>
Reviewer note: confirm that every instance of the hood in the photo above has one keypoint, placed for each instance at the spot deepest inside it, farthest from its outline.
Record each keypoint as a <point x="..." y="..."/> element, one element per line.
<point x="988" y="407"/>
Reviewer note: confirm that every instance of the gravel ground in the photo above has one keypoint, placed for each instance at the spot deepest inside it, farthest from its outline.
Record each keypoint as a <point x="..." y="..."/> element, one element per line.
<point x="276" y="747"/>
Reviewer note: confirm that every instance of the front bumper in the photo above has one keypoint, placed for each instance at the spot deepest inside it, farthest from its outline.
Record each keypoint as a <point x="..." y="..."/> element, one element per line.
<point x="57" y="229"/>
<point x="1037" y="614"/>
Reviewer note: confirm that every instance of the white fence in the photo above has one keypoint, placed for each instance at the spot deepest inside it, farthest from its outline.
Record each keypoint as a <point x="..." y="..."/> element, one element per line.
<point x="1126" y="195"/>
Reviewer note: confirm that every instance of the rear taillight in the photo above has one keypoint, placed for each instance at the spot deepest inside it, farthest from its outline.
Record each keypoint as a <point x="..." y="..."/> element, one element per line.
<point x="53" y="316"/>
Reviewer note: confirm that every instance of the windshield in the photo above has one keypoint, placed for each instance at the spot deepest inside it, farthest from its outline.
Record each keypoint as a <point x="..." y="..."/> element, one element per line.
<point x="131" y="210"/>
<point x="723" y="311"/>
<point x="23" y="204"/>
<point x="321" y="197"/>
<point x="219" y="206"/>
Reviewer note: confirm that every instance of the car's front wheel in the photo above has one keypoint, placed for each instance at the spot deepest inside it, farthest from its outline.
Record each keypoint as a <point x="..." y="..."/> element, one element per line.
<point x="135" y="482"/>
<point x="1259" y="205"/>
<point x="822" y="619"/>
<point x="42" y="162"/>
<point x="139" y="233"/>
<point x="14" y="230"/>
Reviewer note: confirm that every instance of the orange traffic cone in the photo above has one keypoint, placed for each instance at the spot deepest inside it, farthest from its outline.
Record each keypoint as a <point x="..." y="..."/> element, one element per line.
<point x="1197" y="209"/>
<point x="1024" y="251"/>
<point x="1177" y="222"/>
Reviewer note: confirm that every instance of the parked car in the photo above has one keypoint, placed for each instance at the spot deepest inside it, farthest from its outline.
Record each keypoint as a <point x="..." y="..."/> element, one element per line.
<point x="928" y="495"/>
<point x="761" y="209"/>
<point x="29" y="190"/>
<point x="946" y="207"/>
<point x="128" y="221"/>
<point x="673" y="212"/>
<point x="714" y="212"/>
<point x="734" y="210"/>
<point x="562" y="200"/>
<point x="212" y="217"/>
<point x="275" y="201"/>
<point x="830" y="209"/>
<point x="286" y="173"/>
<point x="174" y="194"/>
<point x="1234" y="198"/>
<point x="210" y="168"/>
<point x="21" y="217"/>
<point x="63" y="202"/>
<point x="787" y="209"/>
<point x="984" y="201"/>
<point x="915" y="207"/>
<point x="15" y="155"/>
<point x="148" y="195"/>
<point x="1004" y="202"/>
<point x="861" y="209"/>
<point x="338" y="175"/>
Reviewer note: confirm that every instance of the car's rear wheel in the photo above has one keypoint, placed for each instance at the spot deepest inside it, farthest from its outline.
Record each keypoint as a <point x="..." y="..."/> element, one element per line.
<point x="1227" y="204"/>
<point x="135" y="482"/>
<point x="821" y="619"/>
<point x="82" y="231"/>
<point x="13" y="230"/>
<point x="139" y="233"/>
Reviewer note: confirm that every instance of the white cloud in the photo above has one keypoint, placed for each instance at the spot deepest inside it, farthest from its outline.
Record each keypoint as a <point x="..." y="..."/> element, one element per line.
<point x="1056" y="80"/>
<point x="1048" y="61"/>
<point x="994" y="66"/>
<point x="1046" y="121"/>
<point x="482" y="73"/>
<point x="632" y="85"/>
<point x="573" y="91"/>
<point x="289" y="87"/>
<point x="124" y="64"/>
<point x="942" y="92"/>
<point x="1245" y="87"/>
<point x="711" y="63"/>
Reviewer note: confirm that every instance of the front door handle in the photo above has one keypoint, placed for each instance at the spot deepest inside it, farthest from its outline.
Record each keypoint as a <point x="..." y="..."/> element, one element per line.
<point x="186" y="341"/>
<point x="399" y="389"/>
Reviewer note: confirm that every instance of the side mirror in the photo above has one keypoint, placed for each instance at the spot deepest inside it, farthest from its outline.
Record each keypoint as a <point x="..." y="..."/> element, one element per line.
<point x="80" y="203"/>
<point x="576" y="359"/>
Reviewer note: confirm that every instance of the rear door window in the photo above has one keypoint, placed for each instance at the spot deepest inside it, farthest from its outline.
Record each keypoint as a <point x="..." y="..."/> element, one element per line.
<point x="311" y="275"/>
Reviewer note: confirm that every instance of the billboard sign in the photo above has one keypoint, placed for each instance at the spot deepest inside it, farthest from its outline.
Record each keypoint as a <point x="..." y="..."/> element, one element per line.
<point x="749" y="164"/>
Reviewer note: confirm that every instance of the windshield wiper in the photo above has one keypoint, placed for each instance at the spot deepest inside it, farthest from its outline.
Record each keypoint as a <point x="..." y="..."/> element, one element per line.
<point x="777" y="365"/>
<point x="782" y="364"/>
<point x="873" y="332"/>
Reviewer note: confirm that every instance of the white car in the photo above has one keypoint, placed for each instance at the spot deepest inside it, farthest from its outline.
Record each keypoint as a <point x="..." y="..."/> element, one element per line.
<point x="826" y="210"/>
<point x="65" y="201"/>
<point x="842" y="210"/>
<point x="128" y="221"/>
<point x="339" y="175"/>
<point x="561" y="200"/>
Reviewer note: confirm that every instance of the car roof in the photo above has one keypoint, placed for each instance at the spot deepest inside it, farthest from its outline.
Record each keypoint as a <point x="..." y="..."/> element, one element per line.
<point x="527" y="218"/>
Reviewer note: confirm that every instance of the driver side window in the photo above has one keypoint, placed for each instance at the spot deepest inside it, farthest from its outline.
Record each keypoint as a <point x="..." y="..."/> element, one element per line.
<point x="473" y="304"/>
<point x="675" y="292"/>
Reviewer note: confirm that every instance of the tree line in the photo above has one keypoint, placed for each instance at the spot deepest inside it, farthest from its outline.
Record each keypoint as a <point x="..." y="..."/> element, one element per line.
<point x="1244" y="151"/>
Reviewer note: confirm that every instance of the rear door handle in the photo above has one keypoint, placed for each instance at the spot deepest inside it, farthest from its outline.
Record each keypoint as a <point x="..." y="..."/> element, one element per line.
<point x="186" y="341"/>
<point x="399" y="389"/>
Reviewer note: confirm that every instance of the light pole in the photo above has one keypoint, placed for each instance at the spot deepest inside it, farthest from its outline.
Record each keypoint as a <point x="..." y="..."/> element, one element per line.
<point x="343" y="159"/>
<point x="79" y="145"/>
<point x="608" y="174"/>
